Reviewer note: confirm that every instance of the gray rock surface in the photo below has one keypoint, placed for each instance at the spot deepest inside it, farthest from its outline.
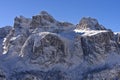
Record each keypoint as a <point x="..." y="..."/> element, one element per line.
<point x="42" y="48"/>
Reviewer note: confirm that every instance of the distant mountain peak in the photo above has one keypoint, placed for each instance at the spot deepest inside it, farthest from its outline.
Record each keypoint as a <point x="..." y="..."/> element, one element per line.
<point x="88" y="23"/>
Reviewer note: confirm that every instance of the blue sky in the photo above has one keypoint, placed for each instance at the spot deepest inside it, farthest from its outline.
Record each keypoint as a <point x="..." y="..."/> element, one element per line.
<point x="107" y="12"/>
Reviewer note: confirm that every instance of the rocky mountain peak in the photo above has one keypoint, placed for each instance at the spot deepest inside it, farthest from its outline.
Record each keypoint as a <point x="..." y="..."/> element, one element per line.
<point x="44" y="13"/>
<point x="43" y="19"/>
<point x="88" y="23"/>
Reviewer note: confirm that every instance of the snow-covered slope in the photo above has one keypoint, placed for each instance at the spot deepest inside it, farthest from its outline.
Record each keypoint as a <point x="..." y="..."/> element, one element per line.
<point x="42" y="48"/>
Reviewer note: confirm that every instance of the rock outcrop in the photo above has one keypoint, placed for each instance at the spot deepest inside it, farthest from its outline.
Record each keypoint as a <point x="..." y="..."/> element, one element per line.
<point x="42" y="48"/>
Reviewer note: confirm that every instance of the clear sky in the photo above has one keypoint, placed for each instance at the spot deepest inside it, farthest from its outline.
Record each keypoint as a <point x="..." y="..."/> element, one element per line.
<point x="107" y="12"/>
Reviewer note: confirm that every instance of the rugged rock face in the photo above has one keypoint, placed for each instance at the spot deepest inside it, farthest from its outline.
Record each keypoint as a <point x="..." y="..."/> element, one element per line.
<point x="3" y="33"/>
<point x="43" y="48"/>
<point x="22" y="22"/>
<point x="101" y="45"/>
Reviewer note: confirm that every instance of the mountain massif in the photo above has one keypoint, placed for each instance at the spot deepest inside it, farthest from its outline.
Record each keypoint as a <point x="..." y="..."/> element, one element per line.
<point x="43" y="48"/>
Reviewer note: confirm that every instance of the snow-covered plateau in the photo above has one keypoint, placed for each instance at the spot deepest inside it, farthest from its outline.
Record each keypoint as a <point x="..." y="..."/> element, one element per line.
<point x="43" y="48"/>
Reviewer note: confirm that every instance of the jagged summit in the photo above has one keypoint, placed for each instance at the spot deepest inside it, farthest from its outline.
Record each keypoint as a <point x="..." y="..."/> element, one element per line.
<point x="88" y="23"/>
<point x="42" y="22"/>
<point x="21" y="21"/>
<point x="43" y="19"/>
<point x="43" y="48"/>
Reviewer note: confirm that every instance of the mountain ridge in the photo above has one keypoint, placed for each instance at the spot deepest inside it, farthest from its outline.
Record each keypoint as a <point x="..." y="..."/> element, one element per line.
<point x="43" y="48"/>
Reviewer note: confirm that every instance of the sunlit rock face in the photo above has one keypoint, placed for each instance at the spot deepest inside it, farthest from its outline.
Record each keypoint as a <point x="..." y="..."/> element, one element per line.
<point x="88" y="23"/>
<point x="43" y="48"/>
